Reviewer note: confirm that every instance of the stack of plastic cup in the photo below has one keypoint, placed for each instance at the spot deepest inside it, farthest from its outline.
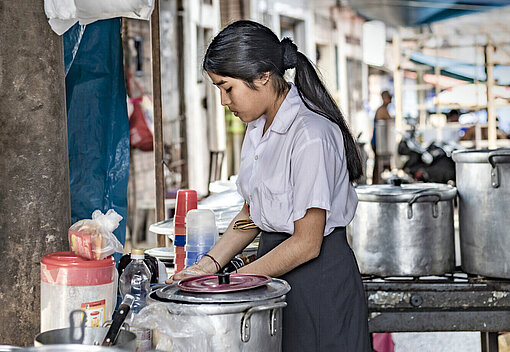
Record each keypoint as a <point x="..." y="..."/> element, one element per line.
<point x="201" y="234"/>
<point x="186" y="200"/>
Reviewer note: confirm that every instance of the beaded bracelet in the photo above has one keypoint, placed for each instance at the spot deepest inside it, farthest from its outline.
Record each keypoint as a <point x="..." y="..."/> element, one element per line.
<point x="218" y="266"/>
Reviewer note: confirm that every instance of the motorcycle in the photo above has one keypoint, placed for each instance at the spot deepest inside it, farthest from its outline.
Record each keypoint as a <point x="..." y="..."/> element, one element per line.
<point x="432" y="163"/>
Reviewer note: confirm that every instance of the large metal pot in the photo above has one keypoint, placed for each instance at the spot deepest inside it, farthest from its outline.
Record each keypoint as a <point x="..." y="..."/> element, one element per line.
<point x="483" y="181"/>
<point x="89" y="336"/>
<point x="404" y="230"/>
<point x="248" y="320"/>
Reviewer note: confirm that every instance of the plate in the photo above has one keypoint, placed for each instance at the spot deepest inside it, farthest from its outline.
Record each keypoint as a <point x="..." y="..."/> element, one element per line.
<point x="210" y="284"/>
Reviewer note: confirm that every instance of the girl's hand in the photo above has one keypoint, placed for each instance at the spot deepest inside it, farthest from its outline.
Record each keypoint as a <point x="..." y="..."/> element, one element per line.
<point x="191" y="271"/>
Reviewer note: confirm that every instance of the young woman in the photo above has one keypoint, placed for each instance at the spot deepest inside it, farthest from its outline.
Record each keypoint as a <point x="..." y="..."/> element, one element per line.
<point x="297" y="163"/>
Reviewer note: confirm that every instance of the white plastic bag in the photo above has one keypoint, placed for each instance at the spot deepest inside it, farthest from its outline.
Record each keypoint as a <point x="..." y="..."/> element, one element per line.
<point x="63" y="14"/>
<point x="94" y="239"/>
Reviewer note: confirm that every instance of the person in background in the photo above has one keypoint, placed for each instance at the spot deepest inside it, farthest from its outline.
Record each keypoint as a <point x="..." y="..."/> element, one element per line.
<point x="380" y="114"/>
<point x="298" y="162"/>
<point x="453" y="116"/>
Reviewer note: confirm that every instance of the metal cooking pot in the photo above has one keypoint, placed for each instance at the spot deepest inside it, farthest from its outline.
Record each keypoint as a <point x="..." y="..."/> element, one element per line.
<point x="89" y="336"/>
<point x="483" y="181"/>
<point x="385" y="137"/>
<point x="249" y="320"/>
<point x="67" y="348"/>
<point x="404" y="230"/>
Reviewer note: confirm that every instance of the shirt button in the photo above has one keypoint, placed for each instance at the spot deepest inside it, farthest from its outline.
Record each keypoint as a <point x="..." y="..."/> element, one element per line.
<point x="256" y="157"/>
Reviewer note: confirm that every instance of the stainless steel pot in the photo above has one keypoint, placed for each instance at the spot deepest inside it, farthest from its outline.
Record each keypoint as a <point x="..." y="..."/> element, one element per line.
<point x="404" y="230"/>
<point x="483" y="181"/>
<point x="89" y="336"/>
<point x="248" y="320"/>
<point x="385" y="137"/>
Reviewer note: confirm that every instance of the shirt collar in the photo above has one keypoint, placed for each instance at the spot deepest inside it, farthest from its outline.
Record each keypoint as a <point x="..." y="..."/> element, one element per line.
<point x="287" y="112"/>
<point x="284" y="117"/>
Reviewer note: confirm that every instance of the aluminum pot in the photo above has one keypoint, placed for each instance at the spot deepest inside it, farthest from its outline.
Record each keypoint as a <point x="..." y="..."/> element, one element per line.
<point x="404" y="230"/>
<point x="69" y="348"/>
<point x="89" y="336"/>
<point x="248" y="320"/>
<point x="385" y="137"/>
<point x="483" y="181"/>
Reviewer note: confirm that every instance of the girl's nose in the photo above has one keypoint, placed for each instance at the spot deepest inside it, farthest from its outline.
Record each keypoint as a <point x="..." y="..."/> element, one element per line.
<point x="225" y="100"/>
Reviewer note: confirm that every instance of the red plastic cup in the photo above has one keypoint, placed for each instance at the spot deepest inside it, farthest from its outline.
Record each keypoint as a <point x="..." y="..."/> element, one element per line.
<point x="180" y="258"/>
<point x="185" y="201"/>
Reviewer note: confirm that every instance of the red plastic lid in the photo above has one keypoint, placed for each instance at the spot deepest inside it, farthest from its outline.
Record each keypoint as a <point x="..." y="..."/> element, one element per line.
<point x="210" y="283"/>
<point x="67" y="269"/>
<point x="185" y="201"/>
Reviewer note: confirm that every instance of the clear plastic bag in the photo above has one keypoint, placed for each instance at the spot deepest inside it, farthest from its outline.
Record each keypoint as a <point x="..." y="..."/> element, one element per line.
<point x="93" y="238"/>
<point x="176" y="332"/>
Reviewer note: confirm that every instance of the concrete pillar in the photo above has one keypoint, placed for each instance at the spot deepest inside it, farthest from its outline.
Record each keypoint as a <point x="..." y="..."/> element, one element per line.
<point x="34" y="168"/>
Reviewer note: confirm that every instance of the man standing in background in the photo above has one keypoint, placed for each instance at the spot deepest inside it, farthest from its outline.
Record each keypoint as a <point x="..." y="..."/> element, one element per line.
<point x="380" y="114"/>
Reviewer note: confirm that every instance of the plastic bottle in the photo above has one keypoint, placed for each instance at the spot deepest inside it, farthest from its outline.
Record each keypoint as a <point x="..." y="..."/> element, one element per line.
<point x="135" y="279"/>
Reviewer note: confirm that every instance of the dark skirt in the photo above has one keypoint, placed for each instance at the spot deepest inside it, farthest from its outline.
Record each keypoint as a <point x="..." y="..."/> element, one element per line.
<point x="326" y="309"/>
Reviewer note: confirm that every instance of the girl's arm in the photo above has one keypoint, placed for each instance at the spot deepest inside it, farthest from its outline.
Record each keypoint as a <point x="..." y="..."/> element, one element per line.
<point x="231" y="243"/>
<point x="302" y="246"/>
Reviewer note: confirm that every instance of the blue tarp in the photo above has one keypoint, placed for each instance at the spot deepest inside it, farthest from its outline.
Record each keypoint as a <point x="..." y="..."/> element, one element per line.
<point x="97" y="120"/>
<point x="462" y="70"/>
<point x="420" y="12"/>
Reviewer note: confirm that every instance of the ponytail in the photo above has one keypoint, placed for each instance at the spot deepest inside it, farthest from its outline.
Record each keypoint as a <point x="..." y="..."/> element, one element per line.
<point x="317" y="98"/>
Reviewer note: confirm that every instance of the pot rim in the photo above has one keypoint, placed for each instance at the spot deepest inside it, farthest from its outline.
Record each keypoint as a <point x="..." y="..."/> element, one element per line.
<point x="481" y="156"/>
<point x="406" y="193"/>
<point x="206" y="309"/>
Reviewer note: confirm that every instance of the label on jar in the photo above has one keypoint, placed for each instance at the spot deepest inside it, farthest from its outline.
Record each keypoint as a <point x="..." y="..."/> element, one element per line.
<point x="95" y="313"/>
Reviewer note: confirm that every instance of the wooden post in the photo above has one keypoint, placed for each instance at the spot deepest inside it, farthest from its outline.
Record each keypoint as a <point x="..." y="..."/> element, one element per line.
<point x="397" y="82"/>
<point x="491" y="114"/>
<point x="158" y="122"/>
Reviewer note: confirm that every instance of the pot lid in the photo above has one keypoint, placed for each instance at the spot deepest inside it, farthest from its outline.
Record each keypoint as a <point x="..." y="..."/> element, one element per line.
<point x="499" y="156"/>
<point x="274" y="288"/>
<point x="222" y="283"/>
<point x="415" y="192"/>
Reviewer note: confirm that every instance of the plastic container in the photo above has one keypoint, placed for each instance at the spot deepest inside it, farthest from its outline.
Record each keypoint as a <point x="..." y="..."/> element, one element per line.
<point x="201" y="228"/>
<point x="135" y="279"/>
<point x="69" y="282"/>
<point x="201" y="234"/>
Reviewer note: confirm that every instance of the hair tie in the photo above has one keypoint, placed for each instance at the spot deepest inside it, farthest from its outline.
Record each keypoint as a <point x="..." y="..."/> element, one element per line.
<point x="289" y="53"/>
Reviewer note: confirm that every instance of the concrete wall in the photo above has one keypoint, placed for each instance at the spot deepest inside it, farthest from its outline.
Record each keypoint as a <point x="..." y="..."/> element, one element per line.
<point x="34" y="168"/>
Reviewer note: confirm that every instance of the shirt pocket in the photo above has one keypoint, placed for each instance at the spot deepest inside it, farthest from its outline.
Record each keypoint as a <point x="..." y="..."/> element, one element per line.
<point x="276" y="209"/>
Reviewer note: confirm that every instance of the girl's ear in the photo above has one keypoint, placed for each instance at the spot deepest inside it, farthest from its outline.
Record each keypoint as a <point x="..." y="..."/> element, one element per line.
<point x="264" y="78"/>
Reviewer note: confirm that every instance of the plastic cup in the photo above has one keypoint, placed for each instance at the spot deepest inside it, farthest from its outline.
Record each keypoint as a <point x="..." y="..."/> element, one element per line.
<point x="185" y="201"/>
<point x="179" y="258"/>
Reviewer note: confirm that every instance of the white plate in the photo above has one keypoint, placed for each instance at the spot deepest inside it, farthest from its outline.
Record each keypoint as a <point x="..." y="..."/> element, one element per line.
<point x="161" y="252"/>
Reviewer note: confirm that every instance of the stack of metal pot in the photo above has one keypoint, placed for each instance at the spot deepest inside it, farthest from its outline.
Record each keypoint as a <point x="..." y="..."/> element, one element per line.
<point x="483" y="182"/>
<point x="404" y="230"/>
<point x="228" y="319"/>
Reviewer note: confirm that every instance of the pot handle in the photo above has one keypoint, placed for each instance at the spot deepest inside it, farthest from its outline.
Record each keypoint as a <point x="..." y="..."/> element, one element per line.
<point x="494" y="164"/>
<point x="245" y="322"/>
<point x="435" y="210"/>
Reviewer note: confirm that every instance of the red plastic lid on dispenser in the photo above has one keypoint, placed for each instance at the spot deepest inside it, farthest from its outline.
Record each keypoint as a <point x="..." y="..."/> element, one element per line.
<point x="186" y="200"/>
<point x="67" y="269"/>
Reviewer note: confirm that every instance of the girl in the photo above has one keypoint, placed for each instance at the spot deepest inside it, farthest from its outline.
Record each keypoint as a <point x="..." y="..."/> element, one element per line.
<point x="297" y="163"/>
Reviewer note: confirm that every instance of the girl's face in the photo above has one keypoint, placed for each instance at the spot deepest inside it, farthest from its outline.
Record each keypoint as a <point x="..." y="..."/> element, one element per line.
<point x="246" y="103"/>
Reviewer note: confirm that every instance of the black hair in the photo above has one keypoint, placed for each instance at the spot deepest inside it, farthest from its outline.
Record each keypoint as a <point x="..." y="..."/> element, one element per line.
<point x="246" y="50"/>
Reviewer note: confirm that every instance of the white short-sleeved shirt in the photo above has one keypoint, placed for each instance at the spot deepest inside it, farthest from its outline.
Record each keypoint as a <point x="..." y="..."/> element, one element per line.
<point x="299" y="163"/>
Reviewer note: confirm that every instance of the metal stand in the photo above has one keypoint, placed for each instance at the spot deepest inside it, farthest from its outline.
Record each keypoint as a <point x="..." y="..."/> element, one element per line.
<point x="447" y="304"/>
<point x="489" y="341"/>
